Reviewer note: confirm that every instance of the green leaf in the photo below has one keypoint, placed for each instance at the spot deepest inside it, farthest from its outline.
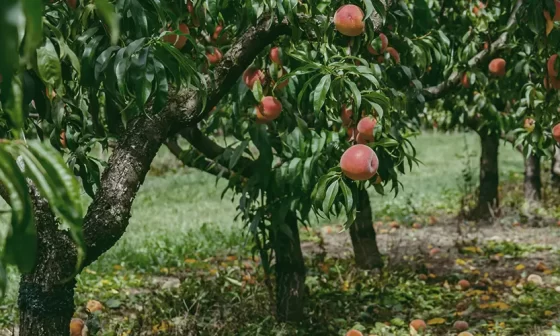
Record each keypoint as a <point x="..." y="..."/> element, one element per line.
<point x="162" y="89"/>
<point x="330" y="196"/>
<point x="142" y="74"/>
<point x="34" y="26"/>
<point x="356" y="93"/>
<point x="257" y="91"/>
<point x="320" y="93"/>
<point x="107" y="12"/>
<point x="348" y="198"/>
<point x="238" y="153"/>
<point x="48" y="64"/>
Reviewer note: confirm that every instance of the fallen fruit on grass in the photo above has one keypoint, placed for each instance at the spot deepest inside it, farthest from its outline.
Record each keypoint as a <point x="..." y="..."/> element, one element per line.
<point x="354" y="332"/>
<point x="465" y="333"/>
<point x="422" y="277"/>
<point x="497" y="67"/>
<point x="434" y="251"/>
<point x="461" y="325"/>
<point x="418" y="325"/>
<point x="76" y="327"/>
<point x="541" y="267"/>
<point x="359" y="162"/>
<point x="464" y="284"/>
<point x="535" y="279"/>
<point x="416" y="226"/>
<point x="93" y="306"/>
<point x="349" y="20"/>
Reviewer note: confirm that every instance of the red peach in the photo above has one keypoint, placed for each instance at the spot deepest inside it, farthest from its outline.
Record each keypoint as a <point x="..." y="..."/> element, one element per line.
<point x="464" y="284"/>
<point x="552" y="72"/>
<point x="349" y="20"/>
<point x="366" y="127"/>
<point x="418" y="325"/>
<point x="556" y="14"/>
<point x="359" y="162"/>
<point x="178" y="41"/>
<point x="384" y="45"/>
<point x="529" y="124"/>
<point x="215" y="56"/>
<point x="497" y="67"/>
<point x="556" y="133"/>
<point x="394" y="54"/>
<point x="252" y="75"/>
<point x="354" y="332"/>
<point x="275" y="55"/>
<point x="76" y="327"/>
<point x="269" y="108"/>
<point x="465" y="81"/>
<point x="486" y="45"/>
<point x="346" y="115"/>
<point x="217" y="32"/>
<point x="63" y="139"/>
<point x="461" y="325"/>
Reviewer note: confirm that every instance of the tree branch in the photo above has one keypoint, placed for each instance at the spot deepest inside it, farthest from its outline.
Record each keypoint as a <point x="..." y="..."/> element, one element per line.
<point x="200" y="163"/>
<point x="437" y="91"/>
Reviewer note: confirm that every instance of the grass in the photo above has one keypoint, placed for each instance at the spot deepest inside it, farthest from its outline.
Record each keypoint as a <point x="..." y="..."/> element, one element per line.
<point x="181" y="228"/>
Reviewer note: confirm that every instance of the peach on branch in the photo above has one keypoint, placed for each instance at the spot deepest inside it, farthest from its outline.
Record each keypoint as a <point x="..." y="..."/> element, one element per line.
<point x="346" y="115"/>
<point x="529" y="124"/>
<point x="552" y="69"/>
<point x="366" y="126"/>
<point x="269" y="108"/>
<point x="465" y="81"/>
<point x="556" y="133"/>
<point x="497" y="67"/>
<point x="217" y="32"/>
<point x="252" y="75"/>
<point x="394" y="54"/>
<point x="215" y="56"/>
<point x="276" y="55"/>
<point x="556" y="13"/>
<point x="349" y="20"/>
<point x="178" y="41"/>
<point x="384" y="44"/>
<point x="359" y="162"/>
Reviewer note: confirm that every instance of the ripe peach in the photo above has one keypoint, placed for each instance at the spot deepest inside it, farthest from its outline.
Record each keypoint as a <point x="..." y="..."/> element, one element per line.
<point x="269" y="108"/>
<point x="215" y="56"/>
<point x="349" y="20"/>
<point x="363" y="139"/>
<point x="434" y="251"/>
<point x="461" y="325"/>
<point x="497" y="67"/>
<point x="418" y="325"/>
<point x="554" y="83"/>
<point x="217" y="32"/>
<point x="556" y="133"/>
<point x="72" y="3"/>
<point x="465" y="81"/>
<point x="178" y="41"/>
<point x="366" y="126"/>
<point x="529" y="124"/>
<point x="464" y="284"/>
<point x="276" y="55"/>
<point x="556" y="14"/>
<point x="346" y="115"/>
<point x="93" y="306"/>
<point x="394" y="54"/>
<point x="359" y="162"/>
<point x="486" y="45"/>
<point x="384" y="45"/>
<point x="76" y="327"/>
<point x="354" y="332"/>
<point x="252" y="75"/>
<point x="552" y="72"/>
<point x="63" y="139"/>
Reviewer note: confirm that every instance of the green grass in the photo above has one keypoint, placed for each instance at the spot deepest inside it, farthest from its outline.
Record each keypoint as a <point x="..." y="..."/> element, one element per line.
<point x="178" y="213"/>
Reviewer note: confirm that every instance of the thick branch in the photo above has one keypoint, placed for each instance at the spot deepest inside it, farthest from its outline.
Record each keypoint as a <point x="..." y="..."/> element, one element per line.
<point x="437" y="91"/>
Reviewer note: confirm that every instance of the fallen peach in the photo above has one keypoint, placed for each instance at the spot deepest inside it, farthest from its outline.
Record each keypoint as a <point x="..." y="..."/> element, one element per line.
<point x="418" y="325"/>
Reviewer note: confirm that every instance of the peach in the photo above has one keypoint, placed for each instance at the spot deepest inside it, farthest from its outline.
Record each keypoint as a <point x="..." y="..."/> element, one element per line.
<point x="269" y="108"/>
<point x="434" y="251"/>
<point x="384" y="45"/>
<point x="465" y="81"/>
<point x="394" y="54"/>
<point x="178" y="41"/>
<point x="418" y="325"/>
<point x="359" y="162"/>
<point x="76" y="327"/>
<point x="63" y="139"/>
<point x="93" y="306"/>
<point x="354" y="332"/>
<point x="556" y="14"/>
<point x="556" y="133"/>
<point x="416" y="226"/>
<point x="217" y="32"/>
<point x="422" y="277"/>
<point x="476" y="8"/>
<point x="465" y="333"/>
<point x="276" y="55"/>
<point x="464" y="284"/>
<point x="346" y="115"/>
<point x="252" y="75"/>
<point x="461" y="325"/>
<point x="552" y="70"/>
<point x="215" y="56"/>
<point x="497" y="67"/>
<point x="72" y="3"/>
<point x="366" y="126"/>
<point x="363" y="139"/>
<point x="486" y="45"/>
<point x="529" y="124"/>
<point x="349" y="20"/>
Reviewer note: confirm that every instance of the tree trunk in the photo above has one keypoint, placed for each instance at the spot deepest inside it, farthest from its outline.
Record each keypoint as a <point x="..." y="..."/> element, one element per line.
<point x="555" y="168"/>
<point x="366" y="253"/>
<point x="290" y="272"/>
<point x="532" y="184"/>
<point x="489" y="178"/>
<point x="46" y="295"/>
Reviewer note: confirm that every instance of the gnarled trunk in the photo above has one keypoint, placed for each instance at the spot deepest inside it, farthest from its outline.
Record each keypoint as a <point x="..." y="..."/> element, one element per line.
<point x="290" y="272"/>
<point x="363" y="237"/>
<point x="489" y="177"/>
<point x="46" y="295"/>
<point x="555" y="168"/>
<point x="532" y="183"/>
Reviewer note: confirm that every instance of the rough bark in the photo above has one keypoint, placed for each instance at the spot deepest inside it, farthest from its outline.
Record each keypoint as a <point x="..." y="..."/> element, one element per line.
<point x="362" y="233"/>
<point x="532" y="184"/>
<point x="46" y="296"/>
<point x="555" y="168"/>
<point x="489" y="178"/>
<point x="290" y="272"/>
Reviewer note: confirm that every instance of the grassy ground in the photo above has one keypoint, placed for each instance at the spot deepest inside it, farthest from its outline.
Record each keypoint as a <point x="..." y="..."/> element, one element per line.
<point x="182" y="264"/>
